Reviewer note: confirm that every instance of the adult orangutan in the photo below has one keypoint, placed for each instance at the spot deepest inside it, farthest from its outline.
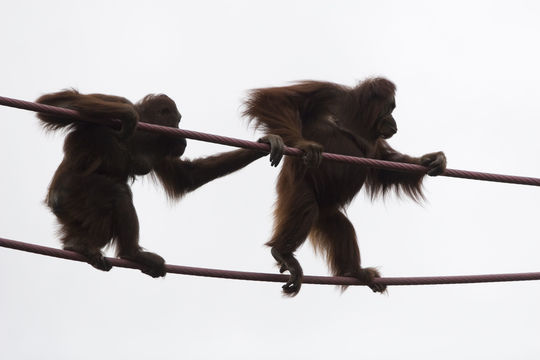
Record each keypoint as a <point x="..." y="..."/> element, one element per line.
<point x="312" y="195"/>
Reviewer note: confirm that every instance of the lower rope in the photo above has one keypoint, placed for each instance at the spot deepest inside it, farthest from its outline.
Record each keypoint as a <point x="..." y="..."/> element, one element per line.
<point x="254" y="276"/>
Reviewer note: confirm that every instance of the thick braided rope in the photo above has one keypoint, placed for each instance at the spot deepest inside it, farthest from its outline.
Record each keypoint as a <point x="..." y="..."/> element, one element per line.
<point x="254" y="276"/>
<point x="388" y="165"/>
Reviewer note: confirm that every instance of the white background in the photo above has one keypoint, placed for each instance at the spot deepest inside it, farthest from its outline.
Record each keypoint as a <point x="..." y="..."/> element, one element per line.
<point x="467" y="74"/>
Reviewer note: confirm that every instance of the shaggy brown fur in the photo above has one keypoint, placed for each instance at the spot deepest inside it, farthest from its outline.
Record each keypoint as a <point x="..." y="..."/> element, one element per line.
<point x="89" y="193"/>
<point x="312" y="195"/>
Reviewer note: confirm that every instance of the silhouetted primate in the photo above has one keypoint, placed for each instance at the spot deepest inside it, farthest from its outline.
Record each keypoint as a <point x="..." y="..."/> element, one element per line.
<point x="313" y="115"/>
<point x="89" y="193"/>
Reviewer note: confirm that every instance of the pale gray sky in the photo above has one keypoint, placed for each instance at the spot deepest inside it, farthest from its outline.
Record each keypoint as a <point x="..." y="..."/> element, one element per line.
<point x="467" y="74"/>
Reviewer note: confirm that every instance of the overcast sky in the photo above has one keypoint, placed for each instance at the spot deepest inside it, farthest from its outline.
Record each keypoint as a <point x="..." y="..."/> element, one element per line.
<point x="467" y="74"/>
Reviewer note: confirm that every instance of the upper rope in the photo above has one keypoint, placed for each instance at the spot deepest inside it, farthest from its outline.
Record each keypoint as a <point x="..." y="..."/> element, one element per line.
<point x="381" y="164"/>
